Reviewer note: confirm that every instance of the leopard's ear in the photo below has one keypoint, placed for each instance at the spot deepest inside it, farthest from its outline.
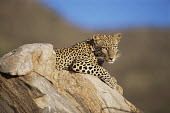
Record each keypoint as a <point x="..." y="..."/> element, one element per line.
<point x="118" y="36"/>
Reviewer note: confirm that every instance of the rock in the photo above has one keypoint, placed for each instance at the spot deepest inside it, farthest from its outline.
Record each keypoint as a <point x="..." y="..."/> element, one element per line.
<point x="23" y="60"/>
<point x="56" y="91"/>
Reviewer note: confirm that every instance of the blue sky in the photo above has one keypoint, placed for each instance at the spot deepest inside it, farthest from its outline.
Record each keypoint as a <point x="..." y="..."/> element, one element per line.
<point x="113" y="14"/>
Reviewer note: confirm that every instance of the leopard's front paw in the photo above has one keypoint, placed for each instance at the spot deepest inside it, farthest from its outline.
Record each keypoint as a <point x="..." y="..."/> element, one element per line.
<point x="113" y="84"/>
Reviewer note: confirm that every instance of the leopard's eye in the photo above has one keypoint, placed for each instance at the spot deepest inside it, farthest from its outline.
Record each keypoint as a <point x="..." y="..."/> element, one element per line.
<point x="115" y="46"/>
<point x="104" y="48"/>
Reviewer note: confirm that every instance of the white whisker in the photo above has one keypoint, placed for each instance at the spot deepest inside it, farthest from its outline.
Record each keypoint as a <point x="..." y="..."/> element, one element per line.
<point x="118" y="55"/>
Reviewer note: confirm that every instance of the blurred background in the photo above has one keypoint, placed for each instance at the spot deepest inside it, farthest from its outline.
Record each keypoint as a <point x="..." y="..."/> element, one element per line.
<point x="143" y="70"/>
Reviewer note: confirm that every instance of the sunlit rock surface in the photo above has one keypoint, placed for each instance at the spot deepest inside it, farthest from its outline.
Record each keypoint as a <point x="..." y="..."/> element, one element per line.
<point x="64" y="91"/>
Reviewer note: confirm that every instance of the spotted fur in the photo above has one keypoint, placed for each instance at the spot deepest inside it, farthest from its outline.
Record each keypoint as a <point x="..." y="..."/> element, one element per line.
<point x="87" y="57"/>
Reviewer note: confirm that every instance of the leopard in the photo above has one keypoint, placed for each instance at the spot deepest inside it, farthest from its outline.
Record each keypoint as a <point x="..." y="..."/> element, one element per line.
<point x="87" y="57"/>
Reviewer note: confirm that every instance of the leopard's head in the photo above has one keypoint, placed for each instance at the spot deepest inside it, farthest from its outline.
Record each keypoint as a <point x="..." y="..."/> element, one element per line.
<point x="107" y="45"/>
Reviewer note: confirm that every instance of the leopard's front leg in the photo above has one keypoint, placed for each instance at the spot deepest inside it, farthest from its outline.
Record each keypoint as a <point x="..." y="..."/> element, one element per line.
<point x="84" y="67"/>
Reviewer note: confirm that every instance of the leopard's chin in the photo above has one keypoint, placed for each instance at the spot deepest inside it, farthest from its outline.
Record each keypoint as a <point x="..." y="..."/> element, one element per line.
<point x="110" y="62"/>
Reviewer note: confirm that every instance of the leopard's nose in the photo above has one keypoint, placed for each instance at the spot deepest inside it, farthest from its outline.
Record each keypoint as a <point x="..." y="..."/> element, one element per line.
<point x="110" y="58"/>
